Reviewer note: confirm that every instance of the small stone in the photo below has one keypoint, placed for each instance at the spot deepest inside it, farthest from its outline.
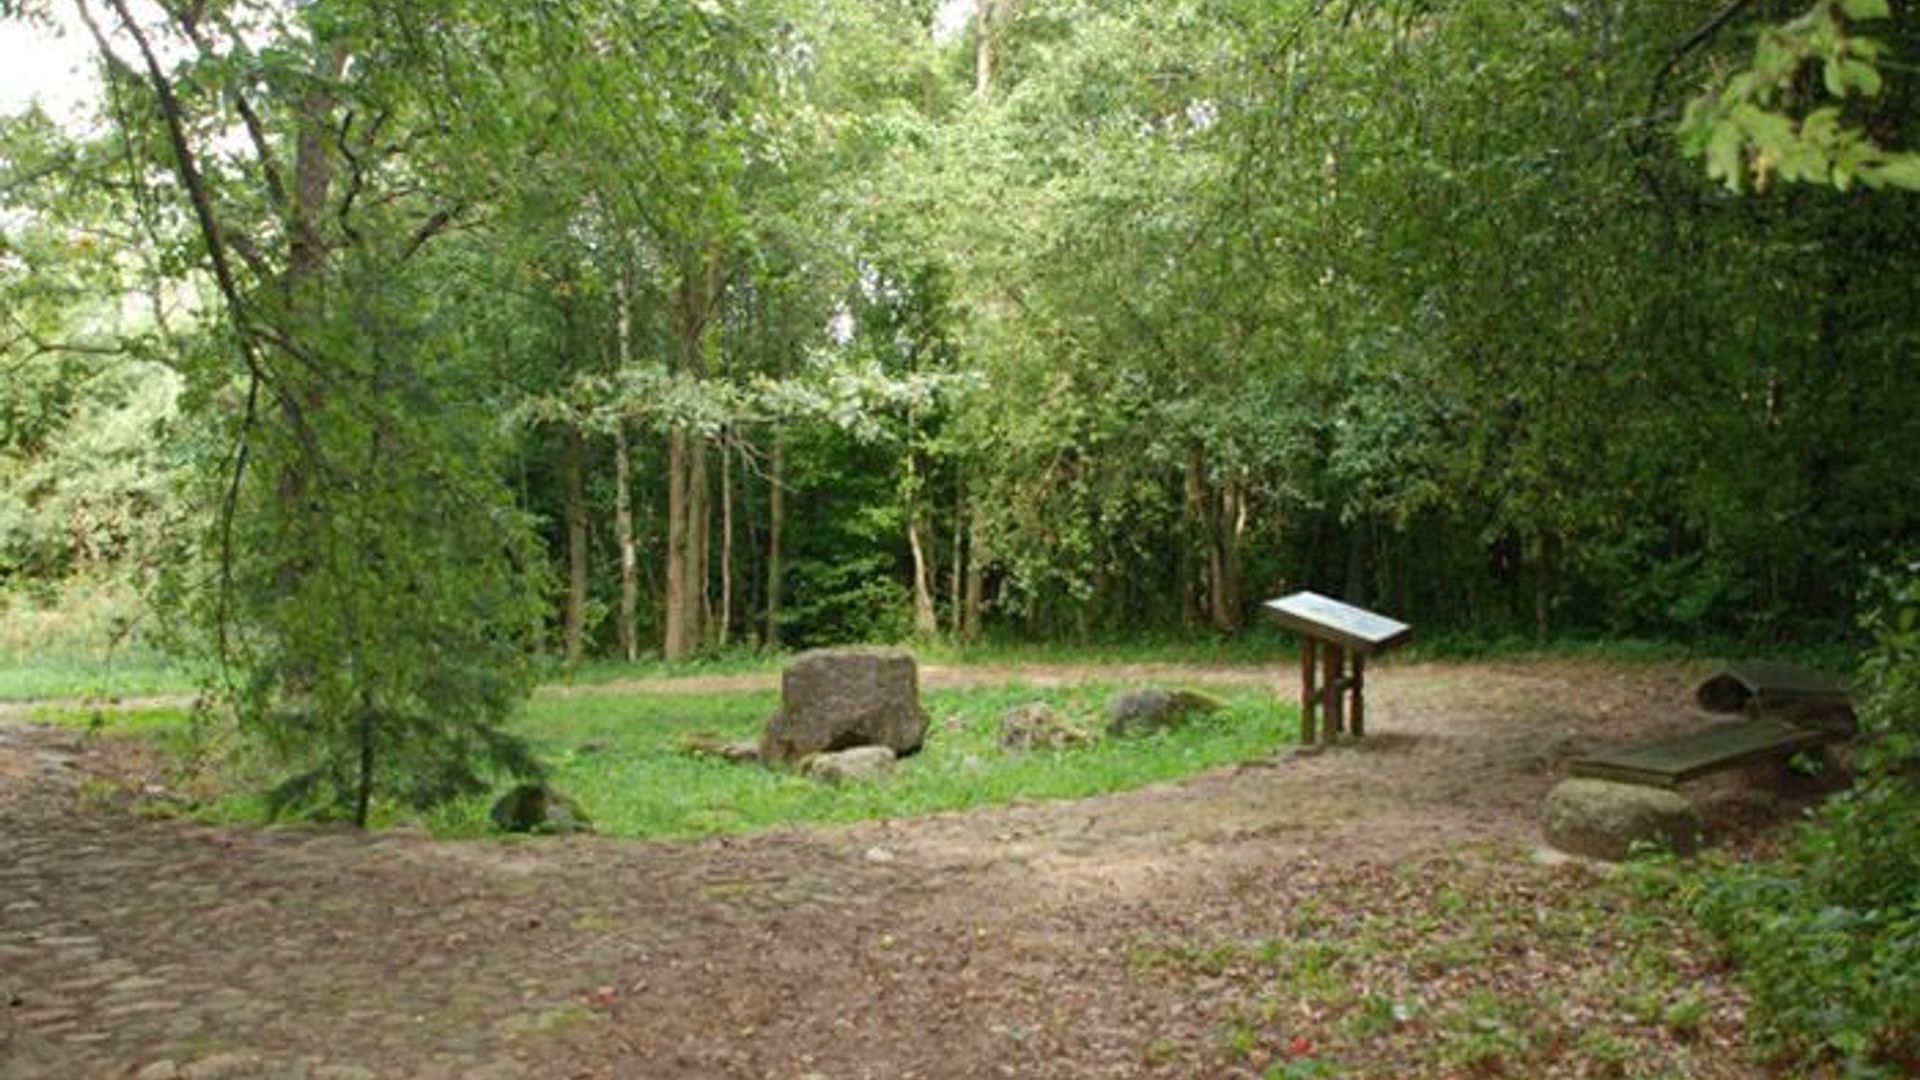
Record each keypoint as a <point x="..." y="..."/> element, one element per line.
<point x="158" y="1070"/>
<point x="862" y="763"/>
<point x="879" y="855"/>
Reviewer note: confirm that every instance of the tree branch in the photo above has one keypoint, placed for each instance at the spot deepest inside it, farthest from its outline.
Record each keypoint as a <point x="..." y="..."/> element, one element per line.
<point x="189" y="22"/>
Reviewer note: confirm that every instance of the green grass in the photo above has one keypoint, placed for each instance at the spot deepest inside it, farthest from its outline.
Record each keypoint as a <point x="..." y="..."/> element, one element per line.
<point x="165" y="721"/>
<point x="621" y="757"/>
<point x="71" y="675"/>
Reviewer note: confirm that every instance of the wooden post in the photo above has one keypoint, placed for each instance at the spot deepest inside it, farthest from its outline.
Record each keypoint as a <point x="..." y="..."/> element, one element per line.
<point x="1330" y="672"/>
<point x="1308" y="700"/>
<point x="1358" y="684"/>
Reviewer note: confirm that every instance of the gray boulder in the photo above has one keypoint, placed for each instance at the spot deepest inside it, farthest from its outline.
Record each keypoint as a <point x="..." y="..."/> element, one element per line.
<point x="862" y="763"/>
<point x="1150" y="709"/>
<point x="1040" y="726"/>
<point x="834" y="699"/>
<point x="1605" y="820"/>
<point x="537" y="808"/>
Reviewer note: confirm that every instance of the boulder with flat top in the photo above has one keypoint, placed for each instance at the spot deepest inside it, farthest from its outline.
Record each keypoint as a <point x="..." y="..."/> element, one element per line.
<point x="1603" y="819"/>
<point x="837" y="699"/>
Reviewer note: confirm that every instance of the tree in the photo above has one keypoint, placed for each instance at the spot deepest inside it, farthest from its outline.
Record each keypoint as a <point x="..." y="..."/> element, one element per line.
<point x="366" y="576"/>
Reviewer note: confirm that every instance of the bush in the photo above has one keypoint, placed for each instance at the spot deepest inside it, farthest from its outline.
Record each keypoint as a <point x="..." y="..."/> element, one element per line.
<point x="1828" y="935"/>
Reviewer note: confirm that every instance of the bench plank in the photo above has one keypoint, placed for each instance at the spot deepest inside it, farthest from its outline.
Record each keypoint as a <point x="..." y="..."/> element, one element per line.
<point x="1672" y="762"/>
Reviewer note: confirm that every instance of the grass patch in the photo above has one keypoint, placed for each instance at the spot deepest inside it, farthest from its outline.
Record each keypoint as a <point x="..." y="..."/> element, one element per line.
<point x="82" y="675"/>
<point x="161" y="722"/>
<point x="620" y="756"/>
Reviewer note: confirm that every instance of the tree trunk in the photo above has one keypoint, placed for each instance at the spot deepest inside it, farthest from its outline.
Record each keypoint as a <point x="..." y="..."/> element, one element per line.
<point x="1357" y="564"/>
<point x="725" y="624"/>
<point x="363" y="789"/>
<point x="699" y="543"/>
<point x="674" y="643"/>
<point x="1196" y="535"/>
<point x="776" y="539"/>
<point x="1231" y="530"/>
<point x="983" y="48"/>
<point x="957" y="566"/>
<point x="576" y="513"/>
<point x="687" y="501"/>
<point x="1543" y="559"/>
<point x="629" y="625"/>
<point x="925" y="624"/>
<point x="976" y="588"/>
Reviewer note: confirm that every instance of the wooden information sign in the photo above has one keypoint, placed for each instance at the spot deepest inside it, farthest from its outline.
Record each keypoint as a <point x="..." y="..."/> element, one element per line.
<point x="1331" y="632"/>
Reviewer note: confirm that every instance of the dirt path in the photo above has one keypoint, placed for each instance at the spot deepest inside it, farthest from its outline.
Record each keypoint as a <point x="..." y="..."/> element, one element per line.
<point x="961" y="945"/>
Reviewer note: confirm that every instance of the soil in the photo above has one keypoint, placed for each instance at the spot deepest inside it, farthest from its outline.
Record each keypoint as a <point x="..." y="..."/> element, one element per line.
<point x="1002" y="942"/>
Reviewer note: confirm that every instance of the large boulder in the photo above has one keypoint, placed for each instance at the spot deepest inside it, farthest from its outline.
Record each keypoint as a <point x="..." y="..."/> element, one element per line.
<point x="537" y="808"/>
<point x="1602" y="819"/>
<point x="1152" y="708"/>
<point x="835" y="699"/>
<point x="1040" y="726"/>
<point x="850" y="766"/>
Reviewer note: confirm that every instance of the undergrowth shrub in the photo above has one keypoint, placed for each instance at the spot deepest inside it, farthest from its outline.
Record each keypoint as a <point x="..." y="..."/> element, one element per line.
<point x="1828" y="935"/>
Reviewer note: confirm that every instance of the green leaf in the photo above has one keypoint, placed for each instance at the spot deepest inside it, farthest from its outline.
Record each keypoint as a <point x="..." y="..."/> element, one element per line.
<point x="1723" y="156"/>
<point x="1859" y="74"/>
<point x="1902" y="172"/>
<point x="1861" y="10"/>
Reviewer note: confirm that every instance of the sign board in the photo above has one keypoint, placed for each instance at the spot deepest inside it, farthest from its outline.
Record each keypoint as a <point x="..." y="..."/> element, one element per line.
<point x="1343" y="624"/>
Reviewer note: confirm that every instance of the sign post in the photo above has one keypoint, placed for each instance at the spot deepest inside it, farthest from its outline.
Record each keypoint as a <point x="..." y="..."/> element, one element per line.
<point x="1335" y="640"/>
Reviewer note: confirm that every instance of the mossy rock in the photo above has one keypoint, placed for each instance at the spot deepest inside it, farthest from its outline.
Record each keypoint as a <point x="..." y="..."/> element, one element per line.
<point x="1040" y="726"/>
<point x="1601" y="819"/>
<point x="1153" y="708"/>
<point x="537" y="808"/>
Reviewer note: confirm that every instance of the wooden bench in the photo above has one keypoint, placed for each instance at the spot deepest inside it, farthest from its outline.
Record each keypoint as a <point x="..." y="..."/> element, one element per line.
<point x="1791" y="709"/>
<point x="1763" y="689"/>
<point x="1673" y="762"/>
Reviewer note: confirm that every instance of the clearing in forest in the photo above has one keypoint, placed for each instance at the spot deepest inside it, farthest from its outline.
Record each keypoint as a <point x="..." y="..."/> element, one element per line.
<point x="1367" y="911"/>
